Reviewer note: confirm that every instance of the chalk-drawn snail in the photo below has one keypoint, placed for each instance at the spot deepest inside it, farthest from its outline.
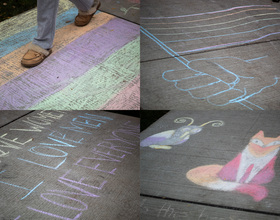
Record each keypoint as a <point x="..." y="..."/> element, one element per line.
<point x="164" y="139"/>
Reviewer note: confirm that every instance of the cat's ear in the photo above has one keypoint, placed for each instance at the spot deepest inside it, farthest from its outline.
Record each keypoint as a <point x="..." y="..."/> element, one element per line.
<point x="260" y="134"/>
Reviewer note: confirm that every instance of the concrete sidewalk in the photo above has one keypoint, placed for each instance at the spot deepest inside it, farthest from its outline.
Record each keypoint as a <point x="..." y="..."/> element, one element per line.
<point x="93" y="67"/>
<point x="222" y="55"/>
<point x="172" y="178"/>
<point x="69" y="165"/>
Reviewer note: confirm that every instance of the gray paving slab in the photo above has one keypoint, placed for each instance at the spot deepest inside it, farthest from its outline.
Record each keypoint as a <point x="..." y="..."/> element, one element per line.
<point x="168" y="172"/>
<point x="126" y="9"/>
<point x="8" y="116"/>
<point x="70" y="165"/>
<point x="158" y="209"/>
<point x="238" y="78"/>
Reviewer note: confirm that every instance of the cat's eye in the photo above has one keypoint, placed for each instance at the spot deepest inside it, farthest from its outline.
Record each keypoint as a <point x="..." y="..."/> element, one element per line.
<point x="258" y="142"/>
<point x="274" y="143"/>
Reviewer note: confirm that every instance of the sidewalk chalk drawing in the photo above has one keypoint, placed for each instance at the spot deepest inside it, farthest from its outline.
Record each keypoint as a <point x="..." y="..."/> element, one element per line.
<point x="246" y="173"/>
<point x="164" y="139"/>
<point x="136" y="6"/>
<point x="95" y="84"/>
<point x="212" y="84"/>
<point x="126" y="10"/>
<point x="66" y="163"/>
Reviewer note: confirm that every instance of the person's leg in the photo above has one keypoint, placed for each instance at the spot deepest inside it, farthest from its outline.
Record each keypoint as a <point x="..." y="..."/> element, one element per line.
<point x="87" y="8"/>
<point x="42" y="43"/>
<point x="46" y="20"/>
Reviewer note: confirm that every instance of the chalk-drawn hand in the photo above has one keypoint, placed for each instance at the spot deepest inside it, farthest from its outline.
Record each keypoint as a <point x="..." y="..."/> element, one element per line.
<point x="220" y="81"/>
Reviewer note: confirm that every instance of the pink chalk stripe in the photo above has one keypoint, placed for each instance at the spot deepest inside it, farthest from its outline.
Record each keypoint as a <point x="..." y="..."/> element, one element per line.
<point x="126" y="99"/>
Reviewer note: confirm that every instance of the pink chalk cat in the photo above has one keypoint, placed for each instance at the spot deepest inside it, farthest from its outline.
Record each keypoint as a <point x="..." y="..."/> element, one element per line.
<point x="246" y="173"/>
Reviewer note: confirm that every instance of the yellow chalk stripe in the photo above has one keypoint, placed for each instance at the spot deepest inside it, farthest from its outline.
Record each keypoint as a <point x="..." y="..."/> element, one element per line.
<point x="165" y="147"/>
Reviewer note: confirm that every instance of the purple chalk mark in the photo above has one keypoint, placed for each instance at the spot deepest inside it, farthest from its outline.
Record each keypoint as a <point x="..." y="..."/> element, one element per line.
<point x="111" y="146"/>
<point x="71" y="62"/>
<point x="80" y="189"/>
<point x="17" y="218"/>
<point x="95" y="168"/>
<point x="105" y="157"/>
<point x="207" y="13"/>
<point x="151" y="140"/>
<point x="108" y="153"/>
<point x="71" y="193"/>
<point x="80" y="182"/>
<point x="63" y="205"/>
<point x="127" y="132"/>
<point x="56" y="216"/>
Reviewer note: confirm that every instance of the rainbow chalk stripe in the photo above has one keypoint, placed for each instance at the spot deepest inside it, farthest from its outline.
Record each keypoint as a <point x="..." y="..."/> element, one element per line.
<point x="93" y="67"/>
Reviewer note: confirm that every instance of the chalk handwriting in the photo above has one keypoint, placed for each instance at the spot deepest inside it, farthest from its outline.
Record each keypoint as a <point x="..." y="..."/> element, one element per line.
<point x="59" y="135"/>
<point x="167" y="211"/>
<point x="112" y="153"/>
<point x="93" y="167"/>
<point x="15" y="140"/>
<point x="52" y="155"/>
<point x="21" y="187"/>
<point x="126" y="10"/>
<point x="55" y="216"/>
<point x="36" y="123"/>
<point x="87" y="121"/>
<point x="10" y="143"/>
<point x="61" y="143"/>
<point x="55" y="166"/>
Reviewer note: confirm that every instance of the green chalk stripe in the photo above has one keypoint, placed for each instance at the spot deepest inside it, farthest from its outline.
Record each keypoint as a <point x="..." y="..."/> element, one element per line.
<point x="99" y="84"/>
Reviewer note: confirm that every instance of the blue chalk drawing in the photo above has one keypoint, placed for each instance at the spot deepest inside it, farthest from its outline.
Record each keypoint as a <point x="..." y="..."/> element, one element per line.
<point x="21" y="187"/>
<point x="55" y="168"/>
<point x="62" y="143"/>
<point x="231" y="86"/>
<point x="32" y="150"/>
<point x="236" y="88"/>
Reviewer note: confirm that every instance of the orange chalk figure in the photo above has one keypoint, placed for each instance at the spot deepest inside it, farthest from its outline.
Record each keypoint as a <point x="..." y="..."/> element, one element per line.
<point x="246" y="173"/>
